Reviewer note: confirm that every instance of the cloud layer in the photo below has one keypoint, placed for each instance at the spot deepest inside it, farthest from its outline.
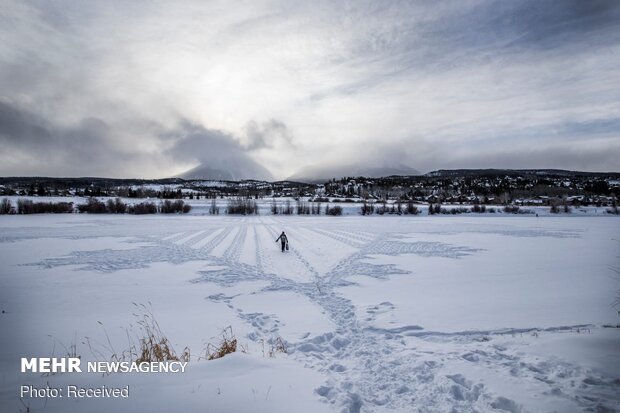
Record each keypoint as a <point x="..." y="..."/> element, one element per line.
<point x="115" y="88"/>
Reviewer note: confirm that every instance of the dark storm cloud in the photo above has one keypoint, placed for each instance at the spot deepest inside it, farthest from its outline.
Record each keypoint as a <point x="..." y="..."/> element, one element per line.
<point x="89" y="142"/>
<point x="213" y="150"/>
<point x="22" y="129"/>
<point x="107" y="88"/>
<point x="57" y="150"/>
<point x="267" y="135"/>
<point x="195" y="141"/>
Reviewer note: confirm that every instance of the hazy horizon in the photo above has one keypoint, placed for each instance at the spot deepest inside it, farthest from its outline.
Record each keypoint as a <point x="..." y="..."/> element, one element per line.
<point x="154" y="89"/>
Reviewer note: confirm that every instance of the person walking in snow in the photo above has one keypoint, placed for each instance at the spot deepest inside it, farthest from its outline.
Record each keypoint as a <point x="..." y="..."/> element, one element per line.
<point x="283" y="240"/>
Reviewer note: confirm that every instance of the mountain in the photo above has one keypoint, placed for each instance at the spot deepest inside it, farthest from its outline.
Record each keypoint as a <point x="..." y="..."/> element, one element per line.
<point x="449" y="173"/>
<point x="229" y="170"/>
<point x="316" y="173"/>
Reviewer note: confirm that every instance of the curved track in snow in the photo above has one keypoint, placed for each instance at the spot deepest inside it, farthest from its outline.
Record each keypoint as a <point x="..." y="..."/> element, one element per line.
<point x="367" y="368"/>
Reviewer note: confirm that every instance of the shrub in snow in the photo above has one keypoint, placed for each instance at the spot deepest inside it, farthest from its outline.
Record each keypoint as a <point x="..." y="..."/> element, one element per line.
<point x="560" y="205"/>
<point x="174" y="207"/>
<point x="214" y="209"/>
<point x="399" y="208"/>
<point x="93" y="206"/>
<point x="26" y="206"/>
<point x="142" y="208"/>
<point x="116" y="206"/>
<point x="367" y="209"/>
<point x="434" y="209"/>
<point x="454" y="211"/>
<point x="381" y="209"/>
<point x="303" y="208"/>
<point x="239" y="206"/>
<point x="334" y="211"/>
<point x="287" y="209"/>
<point x="5" y="206"/>
<point x="511" y="209"/>
<point x="316" y="208"/>
<point x="411" y="209"/>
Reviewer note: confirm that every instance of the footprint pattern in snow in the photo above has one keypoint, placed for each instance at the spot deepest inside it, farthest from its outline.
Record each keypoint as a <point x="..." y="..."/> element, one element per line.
<point x="367" y="369"/>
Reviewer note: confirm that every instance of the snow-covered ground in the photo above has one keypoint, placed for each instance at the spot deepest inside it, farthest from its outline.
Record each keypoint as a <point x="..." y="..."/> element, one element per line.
<point x="428" y="313"/>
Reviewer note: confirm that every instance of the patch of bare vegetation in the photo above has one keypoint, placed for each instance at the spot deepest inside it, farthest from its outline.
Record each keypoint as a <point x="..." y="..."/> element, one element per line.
<point x="147" y="343"/>
<point x="154" y="345"/>
<point x="227" y="345"/>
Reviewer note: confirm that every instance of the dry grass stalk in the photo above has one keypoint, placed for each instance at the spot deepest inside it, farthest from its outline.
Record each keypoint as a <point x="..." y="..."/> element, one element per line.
<point x="154" y="345"/>
<point x="228" y="345"/>
<point x="279" y="346"/>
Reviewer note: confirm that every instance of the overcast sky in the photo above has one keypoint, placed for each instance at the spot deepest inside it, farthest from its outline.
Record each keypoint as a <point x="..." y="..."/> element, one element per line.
<point x="153" y="88"/>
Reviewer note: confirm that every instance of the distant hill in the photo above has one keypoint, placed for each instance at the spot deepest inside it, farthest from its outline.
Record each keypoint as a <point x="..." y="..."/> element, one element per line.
<point x="315" y="173"/>
<point x="229" y="170"/>
<point x="515" y="172"/>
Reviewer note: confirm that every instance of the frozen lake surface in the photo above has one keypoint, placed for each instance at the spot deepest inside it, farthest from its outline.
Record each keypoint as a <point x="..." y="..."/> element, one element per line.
<point x="425" y="313"/>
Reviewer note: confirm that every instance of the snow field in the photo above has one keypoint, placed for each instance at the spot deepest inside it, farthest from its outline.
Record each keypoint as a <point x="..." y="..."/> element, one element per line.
<point x="429" y="314"/>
